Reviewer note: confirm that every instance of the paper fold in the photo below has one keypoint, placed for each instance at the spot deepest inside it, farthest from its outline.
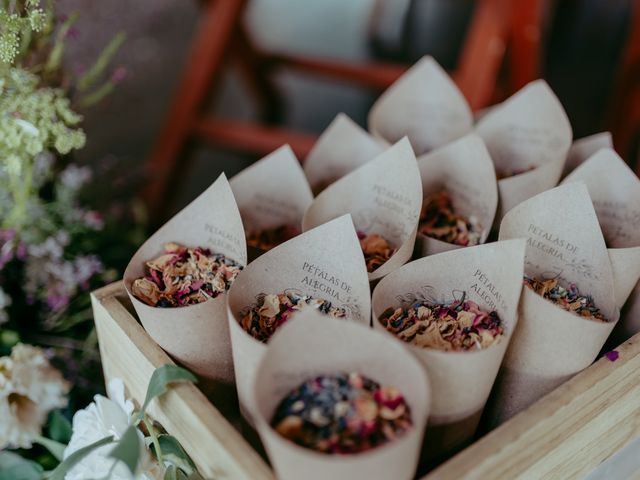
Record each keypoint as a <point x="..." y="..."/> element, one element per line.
<point x="325" y="263"/>
<point x="383" y="196"/>
<point x="425" y="105"/>
<point x="491" y="276"/>
<point x="342" y="147"/>
<point x="528" y="133"/>
<point x="464" y="169"/>
<point x="584" y="147"/>
<point x="197" y="336"/>
<point x="312" y="346"/>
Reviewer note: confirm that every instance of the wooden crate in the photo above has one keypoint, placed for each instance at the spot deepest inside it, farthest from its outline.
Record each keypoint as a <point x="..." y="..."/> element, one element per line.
<point x="565" y="435"/>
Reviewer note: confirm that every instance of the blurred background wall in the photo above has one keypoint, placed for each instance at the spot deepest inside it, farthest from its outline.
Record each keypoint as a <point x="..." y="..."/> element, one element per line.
<point x="581" y="51"/>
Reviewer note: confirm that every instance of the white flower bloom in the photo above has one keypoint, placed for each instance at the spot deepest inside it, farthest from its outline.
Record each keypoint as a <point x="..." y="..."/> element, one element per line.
<point x="74" y="177"/>
<point x="102" y="418"/>
<point x="29" y="389"/>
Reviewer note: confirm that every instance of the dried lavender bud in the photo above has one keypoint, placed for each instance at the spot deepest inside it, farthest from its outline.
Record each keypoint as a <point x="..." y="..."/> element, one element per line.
<point x="438" y="220"/>
<point x="569" y="299"/>
<point x="185" y="276"/>
<point x="376" y="250"/>
<point x="272" y="311"/>
<point x="460" y="325"/>
<point x="342" y="413"/>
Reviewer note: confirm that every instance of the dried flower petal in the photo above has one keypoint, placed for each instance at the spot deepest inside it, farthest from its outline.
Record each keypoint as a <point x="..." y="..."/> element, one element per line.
<point x="272" y="237"/>
<point x="460" y="325"/>
<point x="262" y="319"/>
<point x="438" y="220"/>
<point x="612" y="355"/>
<point x="185" y="276"/>
<point x="376" y="249"/>
<point x="569" y="299"/>
<point x="342" y="413"/>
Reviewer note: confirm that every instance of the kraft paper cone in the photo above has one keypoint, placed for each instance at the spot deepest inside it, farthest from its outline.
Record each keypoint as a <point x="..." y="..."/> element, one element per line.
<point x="491" y="276"/>
<point x="342" y="147"/>
<point x="584" y="147"/>
<point x="423" y="104"/>
<point x="625" y="263"/>
<point x="528" y="130"/>
<point x="197" y="336"/>
<point x="383" y="196"/>
<point x="615" y="193"/>
<point x="313" y="346"/>
<point x="325" y="263"/>
<point x="550" y="345"/>
<point x="272" y="192"/>
<point x="464" y="169"/>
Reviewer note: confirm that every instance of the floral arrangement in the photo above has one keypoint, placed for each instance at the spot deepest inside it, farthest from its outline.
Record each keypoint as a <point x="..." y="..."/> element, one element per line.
<point x="49" y="233"/>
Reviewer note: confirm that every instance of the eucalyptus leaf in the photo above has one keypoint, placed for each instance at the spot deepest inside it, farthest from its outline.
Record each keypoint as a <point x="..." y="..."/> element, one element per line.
<point x="59" y="427"/>
<point x="128" y="449"/>
<point x="160" y="380"/>
<point x="14" y="467"/>
<point x="55" y="448"/>
<point x="76" y="457"/>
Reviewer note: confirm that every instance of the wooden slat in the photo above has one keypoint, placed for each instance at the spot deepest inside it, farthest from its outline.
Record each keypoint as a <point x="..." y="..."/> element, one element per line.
<point x="129" y="353"/>
<point x="567" y="433"/>
<point x="252" y="137"/>
<point x="377" y="76"/>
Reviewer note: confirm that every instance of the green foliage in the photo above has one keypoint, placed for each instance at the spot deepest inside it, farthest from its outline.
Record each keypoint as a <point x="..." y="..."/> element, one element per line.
<point x="160" y="380"/>
<point x="14" y="467"/>
<point x="19" y="21"/>
<point x="59" y="427"/>
<point x="128" y="448"/>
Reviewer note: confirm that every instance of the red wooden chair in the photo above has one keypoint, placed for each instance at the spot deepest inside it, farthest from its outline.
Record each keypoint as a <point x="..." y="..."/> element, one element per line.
<point x="499" y="29"/>
<point x="625" y="112"/>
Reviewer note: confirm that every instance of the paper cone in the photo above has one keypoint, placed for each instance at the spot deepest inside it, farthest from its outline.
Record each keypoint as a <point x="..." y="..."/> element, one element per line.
<point x="528" y="130"/>
<point x="425" y="105"/>
<point x="383" y="197"/>
<point x="615" y="192"/>
<point x="312" y="346"/>
<point x="197" y="336"/>
<point x="584" y="147"/>
<point x="272" y="192"/>
<point x="550" y="344"/>
<point x="625" y="263"/>
<point x="491" y="276"/>
<point x="325" y="263"/>
<point x="464" y="169"/>
<point x="342" y="147"/>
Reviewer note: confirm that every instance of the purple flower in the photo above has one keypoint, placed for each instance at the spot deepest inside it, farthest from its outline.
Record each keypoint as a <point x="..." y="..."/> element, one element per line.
<point x="57" y="302"/>
<point x="612" y="356"/>
<point x="119" y="74"/>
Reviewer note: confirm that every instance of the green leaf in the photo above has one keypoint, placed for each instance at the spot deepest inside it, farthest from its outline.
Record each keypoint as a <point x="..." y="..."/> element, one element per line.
<point x="14" y="467"/>
<point x="160" y="380"/>
<point x="128" y="449"/>
<point x="89" y="79"/>
<point x="56" y="53"/>
<point x="59" y="427"/>
<point x="173" y="453"/>
<point x="173" y="473"/>
<point x="76" y="457"/>
<point x="56" y="448"/>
